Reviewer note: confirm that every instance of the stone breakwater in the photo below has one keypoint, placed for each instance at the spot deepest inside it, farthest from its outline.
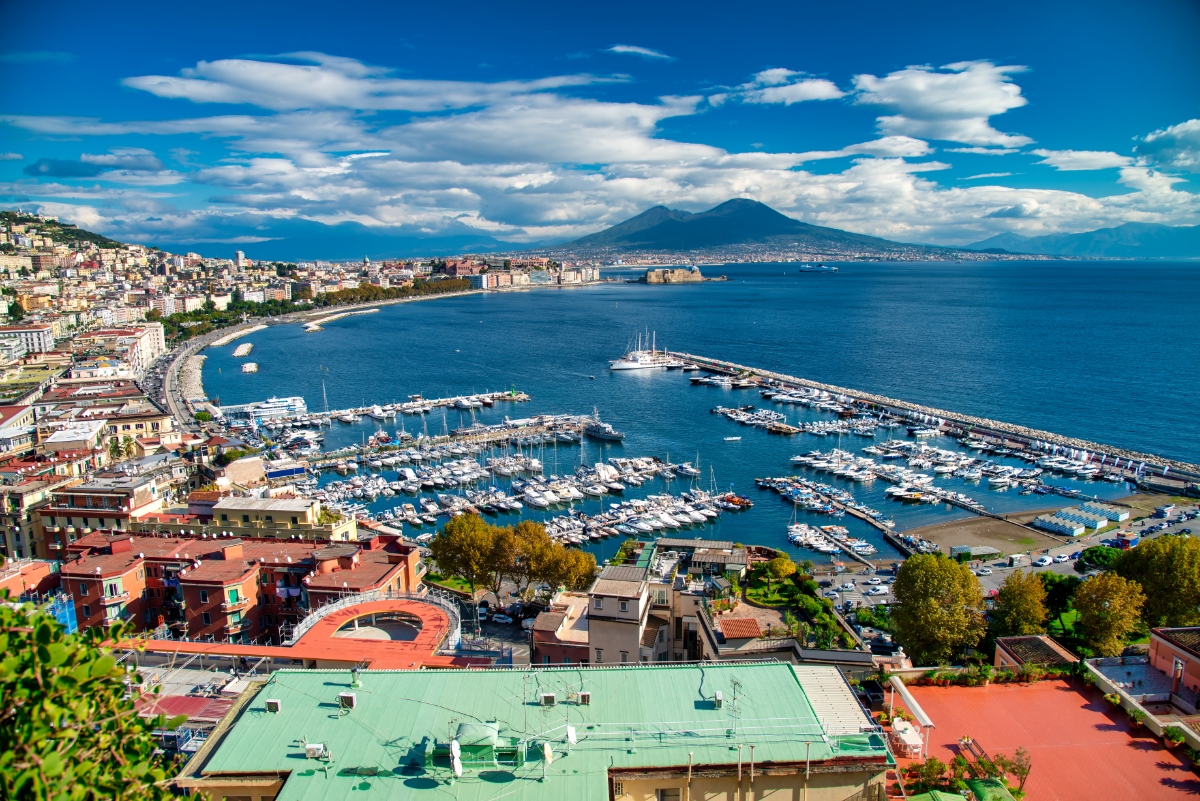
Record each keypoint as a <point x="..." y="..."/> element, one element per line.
<point x="191" y="383"/>
<point x="225" y="340"/>
<point x="1158" y="463"/>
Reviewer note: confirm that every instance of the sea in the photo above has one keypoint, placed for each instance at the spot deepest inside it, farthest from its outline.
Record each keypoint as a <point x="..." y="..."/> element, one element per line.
<point x="1103" y="351"/>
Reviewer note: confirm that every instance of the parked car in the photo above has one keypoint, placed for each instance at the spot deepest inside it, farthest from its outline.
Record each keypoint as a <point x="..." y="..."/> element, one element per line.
<point x="1043" y="561"/>
<point x="501" y="619"/>
<point x="875" y="580"/>
<point x="1062" y="557"/>
<point x="1077" y="554"/>
<point x="527" y="623"/>
<point x="983" y="571"/>
<point x="877" y="591"/>
<point x="849" y="585"/>
<point x="831" y="594"/>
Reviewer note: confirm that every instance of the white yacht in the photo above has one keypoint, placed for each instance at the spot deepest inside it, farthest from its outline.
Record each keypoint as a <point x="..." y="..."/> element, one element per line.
<point x="638" y="359"/>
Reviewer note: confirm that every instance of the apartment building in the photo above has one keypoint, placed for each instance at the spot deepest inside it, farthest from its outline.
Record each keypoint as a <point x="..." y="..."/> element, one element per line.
<point x="112" y="503"/>
<point x="36" y="337"/>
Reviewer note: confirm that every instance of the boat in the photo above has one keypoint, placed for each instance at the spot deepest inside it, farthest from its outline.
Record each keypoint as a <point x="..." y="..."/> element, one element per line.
<point x="818" y="268"/>
<point x="639" y="359"/>
<point x="603" y="431"/>
<point x="733" y="439"/>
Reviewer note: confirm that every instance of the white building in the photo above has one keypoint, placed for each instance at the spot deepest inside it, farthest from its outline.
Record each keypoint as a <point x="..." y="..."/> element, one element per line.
<point x="37" y="337"/>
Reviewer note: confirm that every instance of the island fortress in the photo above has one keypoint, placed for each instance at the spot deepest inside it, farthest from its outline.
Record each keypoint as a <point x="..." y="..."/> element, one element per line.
<point x="673" y="275"/>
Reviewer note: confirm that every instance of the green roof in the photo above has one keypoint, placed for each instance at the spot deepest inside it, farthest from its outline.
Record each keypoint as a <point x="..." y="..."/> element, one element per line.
<point x="637" y="717"/>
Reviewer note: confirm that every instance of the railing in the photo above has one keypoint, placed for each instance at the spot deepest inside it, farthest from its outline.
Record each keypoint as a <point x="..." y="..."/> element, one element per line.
<point x="114" y="599"/>
<point x="228" y="606"/>
<point x="453" y="635"/>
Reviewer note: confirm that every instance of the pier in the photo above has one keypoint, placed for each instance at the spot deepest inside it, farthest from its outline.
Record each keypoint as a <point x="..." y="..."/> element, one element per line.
<point x="955" y="423"/>
<point x="315" y="325"/>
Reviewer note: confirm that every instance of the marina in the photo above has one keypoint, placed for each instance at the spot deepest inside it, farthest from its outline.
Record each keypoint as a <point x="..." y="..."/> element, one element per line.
<point x="661" y="413"/>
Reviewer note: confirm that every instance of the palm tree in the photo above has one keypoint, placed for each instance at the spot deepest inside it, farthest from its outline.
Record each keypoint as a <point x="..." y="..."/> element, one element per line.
<point x="127" y="447"/>
<point x="114" y="449"/>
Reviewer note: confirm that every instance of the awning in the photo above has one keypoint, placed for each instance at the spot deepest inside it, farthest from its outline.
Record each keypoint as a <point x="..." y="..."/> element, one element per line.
<point x="911" y="703"/>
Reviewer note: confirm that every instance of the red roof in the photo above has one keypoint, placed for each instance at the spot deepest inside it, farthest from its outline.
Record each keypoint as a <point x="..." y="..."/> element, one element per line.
<point x="740" y="628"/>
<point x="196" y="707"/>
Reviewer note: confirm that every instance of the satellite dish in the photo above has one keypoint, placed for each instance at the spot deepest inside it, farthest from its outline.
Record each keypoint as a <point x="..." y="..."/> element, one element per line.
<point x="455" y="749"/>
<point x="547" y="753"/>
<point x="571" y="734"/>
<point x="456" y="763"/>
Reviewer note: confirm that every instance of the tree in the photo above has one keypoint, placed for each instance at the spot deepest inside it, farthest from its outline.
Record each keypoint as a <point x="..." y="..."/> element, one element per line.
<point x="68" y="731"/>
<point x="1020" y="605"/>
<point x="15" y="311"/>
<point x="779" y="568"/>
<point x="1019" y="765"/>
<point x="937" y="611"/>
<point x="114" y="449"/>
<point x="127" y="446"/>
<point x="931" y="773"/>
<point x="503" y="559"/>
<point x="203" y="417"/>
<point x="1168" y="569"/>
<point x="1060" y="590"/>
<point x="463" y="549"/>
<point x="1098" y="557"/>
<point x="1109" y="607"/>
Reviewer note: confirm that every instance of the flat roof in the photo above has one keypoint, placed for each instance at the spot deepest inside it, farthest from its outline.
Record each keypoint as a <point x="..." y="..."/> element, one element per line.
<point x="666" y="710"/>
<point x="264" y="504"/>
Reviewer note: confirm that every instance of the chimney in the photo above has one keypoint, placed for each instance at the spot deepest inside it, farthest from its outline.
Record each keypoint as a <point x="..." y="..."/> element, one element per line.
<point x="122" y="545"/>
<point x="232" y="550"/>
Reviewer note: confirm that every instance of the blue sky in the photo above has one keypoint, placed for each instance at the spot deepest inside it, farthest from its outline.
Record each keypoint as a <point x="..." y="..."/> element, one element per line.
<point x="259" y="126"/>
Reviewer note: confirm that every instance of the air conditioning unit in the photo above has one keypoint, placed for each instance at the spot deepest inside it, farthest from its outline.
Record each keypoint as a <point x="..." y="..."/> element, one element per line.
<point x="314" y="750"/>
<point x="585" y="698"/>
<point x="548" y="699"/>
<point x="718" y="700"/>
<point x="347" y="700"/>
<point x="274" y="705"/>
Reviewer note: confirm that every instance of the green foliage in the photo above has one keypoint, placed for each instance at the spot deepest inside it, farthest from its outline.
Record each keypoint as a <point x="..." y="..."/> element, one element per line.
<point x="1168" y="570"/>
<point x="937" y="610"/>
<point x="931" y="775"/>
<point x="1020" y="606"/>
<point x="780" y="568"/>
<point x="203" y="417"/>
<point x="67" y="730"/>
<point x="1173" y="734"/>
<point x="15" y="312"/>
<point x="1137" y="716"/>
<point x="877" y="617"/>
<point x="1060" y="591"/>
<point x="1109" y="607"/>
<point x="233" y="454"/>
<point x="1098" y="557"/>
<point x="58" y="231"/>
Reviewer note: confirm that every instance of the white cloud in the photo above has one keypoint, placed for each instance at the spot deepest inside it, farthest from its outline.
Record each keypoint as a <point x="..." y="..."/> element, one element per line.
<point x="888" y="146"/>
<point x="11" y="157"/>
<point x="987" y="175"/>
<point x="953" y="103"/>
<point x="787" y="87"/>
<point x="125" y="158"/>
<point x="333" y="83"/>
<point x="634" y="50"/>
<point x="1176" y="147"/>
<point x="984" y="151"/>
<point x="1074" y="160"/>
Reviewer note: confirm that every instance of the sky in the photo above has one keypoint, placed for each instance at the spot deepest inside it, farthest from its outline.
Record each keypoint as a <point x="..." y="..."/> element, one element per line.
<point x="304" y="128"/>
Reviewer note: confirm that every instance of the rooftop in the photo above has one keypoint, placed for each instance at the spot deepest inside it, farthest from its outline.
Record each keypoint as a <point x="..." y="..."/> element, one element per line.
<point x="264" y="504"/>
<point x="740" y="628"/>
<point x="639" y="717"/>
<point x="1036" y="649"/>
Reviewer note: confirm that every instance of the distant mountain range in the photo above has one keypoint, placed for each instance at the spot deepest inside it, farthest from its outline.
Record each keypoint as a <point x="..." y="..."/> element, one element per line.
<point x="1128" y="241"/>
<point x="734" y="222"/>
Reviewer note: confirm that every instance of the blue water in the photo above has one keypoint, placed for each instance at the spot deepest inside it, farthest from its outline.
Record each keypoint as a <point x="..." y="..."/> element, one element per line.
<point x="1101" y="351"/>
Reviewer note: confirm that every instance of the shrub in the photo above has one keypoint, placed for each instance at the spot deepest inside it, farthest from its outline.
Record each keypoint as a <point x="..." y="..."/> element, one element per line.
<point x="1113" y="698"/>
<point x="1173" y="735"/>
<point x="1137" y="717"/>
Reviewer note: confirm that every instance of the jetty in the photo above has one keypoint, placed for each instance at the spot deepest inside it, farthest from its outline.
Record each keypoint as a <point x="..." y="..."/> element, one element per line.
<point x="313" y="326"/>
<point x="243" y="349"/>
<point x="954" y="423"/>
<point x="225" y="340"/>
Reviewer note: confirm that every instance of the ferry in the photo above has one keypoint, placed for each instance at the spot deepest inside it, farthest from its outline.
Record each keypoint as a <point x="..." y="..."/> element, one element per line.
<point x="817" y="268"/>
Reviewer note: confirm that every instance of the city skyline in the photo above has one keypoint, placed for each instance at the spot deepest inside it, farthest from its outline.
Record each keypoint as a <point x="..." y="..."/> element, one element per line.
<point x="234" y="137"/>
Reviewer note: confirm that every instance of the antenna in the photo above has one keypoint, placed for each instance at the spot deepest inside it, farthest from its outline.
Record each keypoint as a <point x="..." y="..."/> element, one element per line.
<point x="737" y="689"/>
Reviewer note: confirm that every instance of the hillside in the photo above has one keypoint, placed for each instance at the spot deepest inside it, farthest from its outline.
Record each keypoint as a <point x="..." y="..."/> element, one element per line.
<point x="734" y="222"/>
<point x="60" y="232"/>
<point x="1128" y="241"/>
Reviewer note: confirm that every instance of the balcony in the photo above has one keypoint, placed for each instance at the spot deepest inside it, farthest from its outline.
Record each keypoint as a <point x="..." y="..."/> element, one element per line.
<point x="234" y="628"/>
<point x="240" y="603"/>
<point x="119" y="598"/>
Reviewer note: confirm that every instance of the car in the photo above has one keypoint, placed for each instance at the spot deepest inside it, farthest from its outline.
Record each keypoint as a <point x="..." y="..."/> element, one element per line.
<point x="1043" y="561"/>
<point x="875" y="580"/>
<point x="983" y="571"/>
<point x="1077" y="554"/>
<point x="501" y="619"/>
<point x="849" y="585"/>
<point x="831" y="594"/>
<point x="528" y="622"/>
<point x="1062" y="557"/>
<point x="1185" y="531"/>
<point x="877" y="591"/>
<point x="483" y="616"/>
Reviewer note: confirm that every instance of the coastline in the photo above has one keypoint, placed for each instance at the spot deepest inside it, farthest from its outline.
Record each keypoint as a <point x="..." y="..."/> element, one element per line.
<point x="230" y="337"/>
<point x="191" y="378"/>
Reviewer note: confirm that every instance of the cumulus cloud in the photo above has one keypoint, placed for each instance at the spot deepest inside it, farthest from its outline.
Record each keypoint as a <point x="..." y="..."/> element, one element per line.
<point x="787" y="87"/>
<point x="331" y="82"/>
<point x="1074" y="160"/>
<point x="634" y="50"/>
<point x="1176" y="147"/>
<point x="953" y="103"/>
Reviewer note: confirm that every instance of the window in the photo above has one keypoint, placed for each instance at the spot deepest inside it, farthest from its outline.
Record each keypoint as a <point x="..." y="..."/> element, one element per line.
<point x="624" y="656"/>
<point x="233" y="596"/>
<point x="295" y="521"/>
<point x="235" y="618"/>
<point x="245" y="518"/>
<point x="546" y="659"/>
<point x="669" y="794"/>
<point x="618" y="789"/>
<point x="624" y="606"/>
<point x="207" y="618"/>
<point x="599" y="603"/>
<point x="270" y="519"/>
<point x="87" y="611"/>
<point x="203" y="596"/>
<point x="599" y="655"/>
<point x="83" y="589"/>
<point x="662" y="630"/>
<point x="566" y="660"/>
<point x="224" y="518"/>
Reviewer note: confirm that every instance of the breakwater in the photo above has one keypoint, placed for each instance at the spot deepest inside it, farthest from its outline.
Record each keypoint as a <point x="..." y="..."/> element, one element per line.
<point x="963" y="423"/>
<point x="191" y="384"/>
<point x="225" y="340"/>
<point x="315" y="325"/>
